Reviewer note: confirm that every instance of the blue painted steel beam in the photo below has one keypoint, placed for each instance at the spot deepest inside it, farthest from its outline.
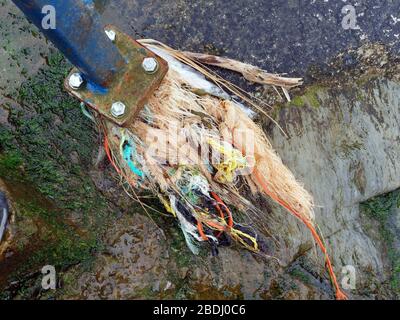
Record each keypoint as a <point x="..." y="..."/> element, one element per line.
<point x="79" y="35"/>
<point x="3" y="214"/>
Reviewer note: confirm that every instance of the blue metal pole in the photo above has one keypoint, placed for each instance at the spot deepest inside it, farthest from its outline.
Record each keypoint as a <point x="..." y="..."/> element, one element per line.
<point x="78" y="34"/>
<point x="3" y="214"/>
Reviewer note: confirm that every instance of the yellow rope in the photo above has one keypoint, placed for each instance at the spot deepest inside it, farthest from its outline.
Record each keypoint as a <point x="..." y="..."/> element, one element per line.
<point x="167" y="206"/>
<point x="237" y="234"/>
<point x="233" y="160"/>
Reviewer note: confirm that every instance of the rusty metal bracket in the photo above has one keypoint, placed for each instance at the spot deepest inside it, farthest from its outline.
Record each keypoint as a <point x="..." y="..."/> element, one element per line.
<point x="131" y="88"/>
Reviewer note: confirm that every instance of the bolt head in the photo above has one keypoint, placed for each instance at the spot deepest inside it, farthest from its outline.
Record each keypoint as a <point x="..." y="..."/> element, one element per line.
<point x="118" y="109"/>
<point x="111" y="35"/>
<point x="75" y="81"/>
<point x="150" y="65"/>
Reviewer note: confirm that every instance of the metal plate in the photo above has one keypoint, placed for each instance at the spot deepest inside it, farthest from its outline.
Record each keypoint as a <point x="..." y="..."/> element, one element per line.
<point x="133" y="86"/>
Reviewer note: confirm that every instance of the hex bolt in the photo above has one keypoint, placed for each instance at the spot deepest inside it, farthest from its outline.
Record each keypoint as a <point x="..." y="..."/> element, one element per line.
<point x="118" y="109"/>
<point x="111" y="35"/>
<point x="150" y="65"/>
<point x="75" y="81"/>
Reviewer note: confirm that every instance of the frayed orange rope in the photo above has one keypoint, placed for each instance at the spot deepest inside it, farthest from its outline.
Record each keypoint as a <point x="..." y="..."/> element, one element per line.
<point x="215" y="225"/>
<point x="221" y="214"/>
<point x="220" y="202"/>
<point x="201" y="231"/>
<point x="340" y="295"/>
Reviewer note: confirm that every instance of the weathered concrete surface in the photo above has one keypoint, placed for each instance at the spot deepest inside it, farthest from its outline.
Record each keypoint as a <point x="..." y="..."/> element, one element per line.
<point x="280" y="36"/>
<point x="346" y="151"/>
<point x="342" y="144"/>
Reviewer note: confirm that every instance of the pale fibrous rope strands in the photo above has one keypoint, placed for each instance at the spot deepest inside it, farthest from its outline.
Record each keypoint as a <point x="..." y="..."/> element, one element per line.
<point x="249" y="72"/>
<point x="185" y="58"/>
<point x="191" y="145"/>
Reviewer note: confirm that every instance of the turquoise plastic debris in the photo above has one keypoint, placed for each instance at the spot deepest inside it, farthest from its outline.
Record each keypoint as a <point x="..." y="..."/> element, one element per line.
<point x="128" y="150"/>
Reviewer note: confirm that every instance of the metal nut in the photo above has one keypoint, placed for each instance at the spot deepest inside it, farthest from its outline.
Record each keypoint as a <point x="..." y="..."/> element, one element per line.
<point x="111" y="35"/>
<point x="118" y="109"/>
<point x="150" y="65"/>
<point x="75" y="81"/>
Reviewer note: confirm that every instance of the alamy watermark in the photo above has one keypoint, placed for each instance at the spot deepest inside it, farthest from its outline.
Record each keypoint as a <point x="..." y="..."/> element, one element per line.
<point x="49" y="280"/>
<point x="349" y="277"/>
<point x="349" y="21"/>
<point x="49" y="20"/>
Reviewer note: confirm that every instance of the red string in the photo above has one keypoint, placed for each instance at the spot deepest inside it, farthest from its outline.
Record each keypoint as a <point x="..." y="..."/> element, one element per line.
<point x="339" y="293"/>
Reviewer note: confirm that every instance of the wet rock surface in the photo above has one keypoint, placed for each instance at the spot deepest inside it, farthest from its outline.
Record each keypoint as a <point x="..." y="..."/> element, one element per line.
<point x="70" y="211"/>
<point x="279" y="36"/>
<point x="343" y="144"/>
